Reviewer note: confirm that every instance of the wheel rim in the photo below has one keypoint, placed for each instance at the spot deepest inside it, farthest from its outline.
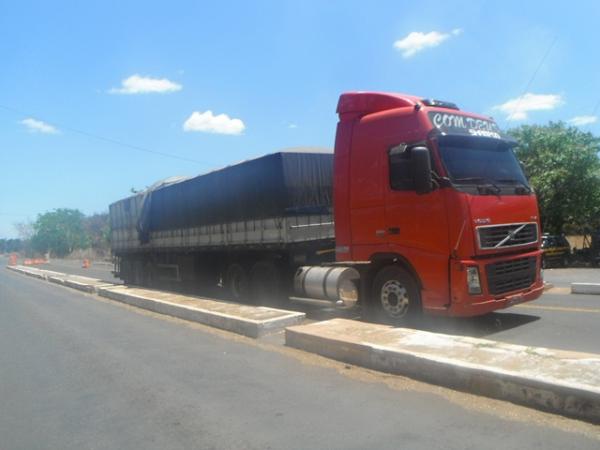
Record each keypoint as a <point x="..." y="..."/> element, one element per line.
<point x="394" y="299"/>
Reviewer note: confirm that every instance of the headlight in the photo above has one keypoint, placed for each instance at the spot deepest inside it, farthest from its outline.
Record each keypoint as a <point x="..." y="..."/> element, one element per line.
<point x="473" y="280"/>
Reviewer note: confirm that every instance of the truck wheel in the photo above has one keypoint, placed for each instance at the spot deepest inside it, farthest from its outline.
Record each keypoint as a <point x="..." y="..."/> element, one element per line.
<point x="395" y="297"/>
<point x="237" y="283"/>
<point x="265" y="283"/>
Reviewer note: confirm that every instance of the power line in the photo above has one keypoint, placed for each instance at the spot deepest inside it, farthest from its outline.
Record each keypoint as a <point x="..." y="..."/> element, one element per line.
<point x="107" y="139"/>
<point x="539" y="66"/>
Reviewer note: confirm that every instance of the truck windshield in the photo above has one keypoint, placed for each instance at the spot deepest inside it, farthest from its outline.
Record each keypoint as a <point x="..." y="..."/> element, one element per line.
<point x="476" y="160"/>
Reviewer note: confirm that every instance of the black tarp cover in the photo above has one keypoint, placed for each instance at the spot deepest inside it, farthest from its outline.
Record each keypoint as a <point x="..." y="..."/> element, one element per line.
<point x="274" y="185"/>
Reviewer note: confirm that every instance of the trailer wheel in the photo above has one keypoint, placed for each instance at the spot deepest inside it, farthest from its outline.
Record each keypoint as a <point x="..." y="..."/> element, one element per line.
<point x="395" y="298"/>
<point x="265" y="283"/>
<point x="237" y="283"/>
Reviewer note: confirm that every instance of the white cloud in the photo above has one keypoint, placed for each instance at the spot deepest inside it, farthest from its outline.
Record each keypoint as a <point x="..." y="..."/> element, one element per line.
<point x="137" y="84"/>
<point x="518" y="108"/>
<point x="292" y="125"/>
<point x="416" y="41"/>
<point x="209" y="123"/>
<point x="580" y="121"/>
<point x="37" y="126"/>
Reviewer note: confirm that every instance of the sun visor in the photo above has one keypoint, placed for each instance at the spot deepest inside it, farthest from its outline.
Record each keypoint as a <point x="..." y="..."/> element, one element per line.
<point x="447" y="123"/>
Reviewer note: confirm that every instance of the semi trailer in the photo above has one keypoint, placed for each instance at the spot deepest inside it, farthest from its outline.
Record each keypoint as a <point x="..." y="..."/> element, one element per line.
<point x="420" y="207"/>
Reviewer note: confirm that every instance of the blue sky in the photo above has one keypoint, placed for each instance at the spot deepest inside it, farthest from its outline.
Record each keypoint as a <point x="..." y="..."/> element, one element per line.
<point x="214" y="83"/>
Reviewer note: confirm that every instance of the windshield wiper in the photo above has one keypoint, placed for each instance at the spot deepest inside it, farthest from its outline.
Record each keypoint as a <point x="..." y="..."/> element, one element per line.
<point x="522" y="185"/>
<point x="489" y="184"/>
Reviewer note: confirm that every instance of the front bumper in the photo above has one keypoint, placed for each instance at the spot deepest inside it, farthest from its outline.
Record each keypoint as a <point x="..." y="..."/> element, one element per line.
<point x="463" y="304"/>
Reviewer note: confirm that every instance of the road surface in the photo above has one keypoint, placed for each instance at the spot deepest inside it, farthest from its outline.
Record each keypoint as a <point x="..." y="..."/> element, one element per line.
<point x="558" y="319"/>
<point x="79" y="372"/>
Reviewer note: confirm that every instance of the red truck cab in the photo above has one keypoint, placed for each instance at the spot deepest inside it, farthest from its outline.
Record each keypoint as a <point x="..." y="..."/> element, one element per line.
<point x="432" y="207"/>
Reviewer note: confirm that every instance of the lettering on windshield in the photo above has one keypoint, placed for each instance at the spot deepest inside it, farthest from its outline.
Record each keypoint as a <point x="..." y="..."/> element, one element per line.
<point x="457" y="124"/>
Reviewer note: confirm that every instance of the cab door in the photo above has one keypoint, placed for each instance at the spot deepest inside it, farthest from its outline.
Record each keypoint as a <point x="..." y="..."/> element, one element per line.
<point x="367" y="214"/>
<point x="416" y="226"/>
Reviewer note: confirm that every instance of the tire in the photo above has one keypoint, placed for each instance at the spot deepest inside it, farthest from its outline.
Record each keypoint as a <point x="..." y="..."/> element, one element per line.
<point x="237" y="283"/>
<point x="395" y="298"/>
<point x="265" y="283"/>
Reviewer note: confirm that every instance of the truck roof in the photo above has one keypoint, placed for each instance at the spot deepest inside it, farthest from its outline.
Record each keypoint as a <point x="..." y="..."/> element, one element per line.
<point x="364" y="102"/>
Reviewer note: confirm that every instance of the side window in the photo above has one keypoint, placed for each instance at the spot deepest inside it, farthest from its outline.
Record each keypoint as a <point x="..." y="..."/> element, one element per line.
<point x="401" y="177"/>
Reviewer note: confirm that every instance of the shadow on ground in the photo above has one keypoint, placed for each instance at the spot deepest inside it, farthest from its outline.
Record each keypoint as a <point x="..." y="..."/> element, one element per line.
<point x="482" y="326"/>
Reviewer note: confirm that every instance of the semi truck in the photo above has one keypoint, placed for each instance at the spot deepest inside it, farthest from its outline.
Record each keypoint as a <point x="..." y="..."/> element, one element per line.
<point x="419" y="208"/>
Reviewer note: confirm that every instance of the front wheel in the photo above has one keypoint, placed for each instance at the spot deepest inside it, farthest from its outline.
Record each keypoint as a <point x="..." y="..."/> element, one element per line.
<point x="395" y="297"/>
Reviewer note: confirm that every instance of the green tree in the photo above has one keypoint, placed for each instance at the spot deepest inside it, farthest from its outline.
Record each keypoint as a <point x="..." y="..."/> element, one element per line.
<point x="97" y="228"/>
<point x="59" y="232"/>
<point x="10" y="245"/>
<point x="564" y="169"/>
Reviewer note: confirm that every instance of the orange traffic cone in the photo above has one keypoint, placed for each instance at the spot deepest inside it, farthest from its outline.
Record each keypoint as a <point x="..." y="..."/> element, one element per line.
<point x="12" y="260"/>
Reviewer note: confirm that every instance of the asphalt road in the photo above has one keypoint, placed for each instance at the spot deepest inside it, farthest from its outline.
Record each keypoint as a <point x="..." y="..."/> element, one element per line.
<point x="79" y="372"/>
<point x="558" y="319"/>
<point x="564" y="277"/>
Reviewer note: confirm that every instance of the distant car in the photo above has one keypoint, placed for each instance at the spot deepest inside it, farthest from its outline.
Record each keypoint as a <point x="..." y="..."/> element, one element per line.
<point x="556" y="250"/>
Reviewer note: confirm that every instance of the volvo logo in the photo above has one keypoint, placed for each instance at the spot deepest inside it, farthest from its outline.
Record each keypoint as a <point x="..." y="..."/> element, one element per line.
<point x="510" y="235"/>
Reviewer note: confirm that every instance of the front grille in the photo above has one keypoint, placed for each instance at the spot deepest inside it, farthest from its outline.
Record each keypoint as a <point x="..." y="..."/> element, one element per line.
<point x="511" y="275"/>
<point x="509" y="235"/>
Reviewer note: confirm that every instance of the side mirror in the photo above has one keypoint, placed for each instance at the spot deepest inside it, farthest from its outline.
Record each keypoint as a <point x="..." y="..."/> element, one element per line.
<point x="421" y="166"/>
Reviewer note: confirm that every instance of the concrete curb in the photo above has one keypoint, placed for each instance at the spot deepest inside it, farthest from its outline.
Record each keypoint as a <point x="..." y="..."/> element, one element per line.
<point x="251" y="321"/>
<point x="89" y="285"/>
<point x="585" y="288"/>
<point x="29" y="271"/>
<point x="240" y="324"/>
<point x="57" y="280"/>
<point x="576" y="394"/>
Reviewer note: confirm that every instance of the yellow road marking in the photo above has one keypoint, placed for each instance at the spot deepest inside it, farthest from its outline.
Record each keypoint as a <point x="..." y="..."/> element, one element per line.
<point x="559" y="290"/>
<point x="559" y="308"/>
